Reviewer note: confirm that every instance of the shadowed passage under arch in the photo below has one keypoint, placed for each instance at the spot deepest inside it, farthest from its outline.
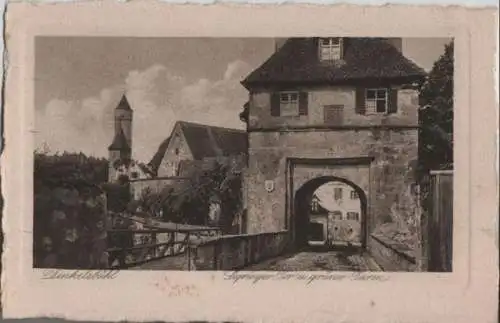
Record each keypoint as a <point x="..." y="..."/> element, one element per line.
<point x="330" y="211"/>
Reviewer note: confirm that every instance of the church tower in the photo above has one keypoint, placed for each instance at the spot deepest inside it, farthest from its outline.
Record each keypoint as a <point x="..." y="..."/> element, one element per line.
<point x="121" y="147"/>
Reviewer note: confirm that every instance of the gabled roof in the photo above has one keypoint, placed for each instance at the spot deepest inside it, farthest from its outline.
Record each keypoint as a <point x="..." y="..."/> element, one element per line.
<point x="124" y="105"/>
<point x="297" y="61"/>
<point x="119" y="142"/>
<point x="155" y="162"/>
<point x="205" y="141"/>
<point x="210" y="141"/>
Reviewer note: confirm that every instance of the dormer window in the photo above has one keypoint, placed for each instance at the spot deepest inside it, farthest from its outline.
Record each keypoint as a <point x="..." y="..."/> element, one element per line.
<point x="330" y="49"/>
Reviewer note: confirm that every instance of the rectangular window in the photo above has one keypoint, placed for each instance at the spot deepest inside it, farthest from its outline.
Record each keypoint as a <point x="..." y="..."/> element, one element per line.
<point x="289" y="104"/>
<point x="336" y="215"/>
<point x="333" y="114"/>
<point x="354" y="195"/>
<point x="353" y="216"/>
<point x="175" y="168"/>
<point x="330" y="49"/>
<point x="337" y="193"/>
<point x="376" y="100"/>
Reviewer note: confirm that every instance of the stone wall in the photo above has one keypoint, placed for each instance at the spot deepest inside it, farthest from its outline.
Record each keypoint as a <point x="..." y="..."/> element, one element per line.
<point x="237" y="251"/>
<point x="391" y="255"/>
<point x="392" y="170"/>
<point x="156" y="185"/>
<point x="170" y="160"/>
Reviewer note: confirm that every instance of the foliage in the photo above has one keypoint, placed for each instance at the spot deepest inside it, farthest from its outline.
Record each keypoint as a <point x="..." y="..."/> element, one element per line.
<point x="436" y="115"/>
<point x="129" y="169"/>
<point x="69" y="223"/>
<point x="190" y="201"/>
<point x="69" y="169"/>
<point x="118" y="195"/>
<point x="245" y="113"/>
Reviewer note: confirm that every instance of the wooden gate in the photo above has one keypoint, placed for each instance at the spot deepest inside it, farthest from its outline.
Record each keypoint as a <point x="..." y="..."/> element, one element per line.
<point x="439" y="205"/>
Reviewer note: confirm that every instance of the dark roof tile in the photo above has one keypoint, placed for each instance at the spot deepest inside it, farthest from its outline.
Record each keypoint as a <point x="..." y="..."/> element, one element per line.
<point x="297" y="61"/>
<point x="119" y="142"/>
<point x="204" y="142"/>
<point x="209" y="141"/>
<point x="155" y="162"/>
<point x="124" y="105"/>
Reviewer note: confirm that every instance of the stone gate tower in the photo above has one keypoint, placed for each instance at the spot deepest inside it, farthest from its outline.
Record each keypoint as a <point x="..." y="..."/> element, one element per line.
<point x="121" y="147"/>
<point x="332" y="109"/>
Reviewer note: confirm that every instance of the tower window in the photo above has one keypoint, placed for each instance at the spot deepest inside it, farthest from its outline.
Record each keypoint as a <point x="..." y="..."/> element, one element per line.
<point x="330" y="49"/>
<point x="376" y="100"/>
<point x="289" y="104"/>
<point x="176" y="151"/>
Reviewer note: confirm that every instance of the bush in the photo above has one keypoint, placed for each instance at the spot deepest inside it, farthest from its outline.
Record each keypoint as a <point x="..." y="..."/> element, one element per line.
<point x="190" y="201"/>
<point x="69" y="219"/>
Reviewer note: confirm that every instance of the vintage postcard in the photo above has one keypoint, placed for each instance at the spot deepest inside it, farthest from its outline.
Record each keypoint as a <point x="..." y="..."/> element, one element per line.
<point x="224" y="163"/>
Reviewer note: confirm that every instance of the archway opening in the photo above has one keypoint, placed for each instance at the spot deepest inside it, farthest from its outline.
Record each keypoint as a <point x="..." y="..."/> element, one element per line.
<point x="330" y="212"/>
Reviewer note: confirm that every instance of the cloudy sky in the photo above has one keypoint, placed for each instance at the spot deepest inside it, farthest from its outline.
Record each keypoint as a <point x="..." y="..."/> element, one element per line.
<point x="79" y="81"/>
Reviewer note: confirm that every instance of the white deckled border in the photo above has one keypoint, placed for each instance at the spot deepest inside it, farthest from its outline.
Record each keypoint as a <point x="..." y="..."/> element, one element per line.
<point x="466" y="295"/>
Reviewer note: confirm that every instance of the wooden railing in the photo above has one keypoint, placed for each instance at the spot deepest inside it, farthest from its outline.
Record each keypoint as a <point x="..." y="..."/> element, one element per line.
<point x="124" y="252"/>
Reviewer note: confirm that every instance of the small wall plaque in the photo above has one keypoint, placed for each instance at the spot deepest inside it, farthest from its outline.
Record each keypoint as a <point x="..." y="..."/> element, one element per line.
<point x="269" y="185"/>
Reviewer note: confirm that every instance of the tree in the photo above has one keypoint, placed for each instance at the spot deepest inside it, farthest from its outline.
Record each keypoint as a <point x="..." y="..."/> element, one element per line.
<point x="245" y="113"/>
<point x="436" y="115"/>
<point x="189" y="201"/>
<point x="68" y="209"/>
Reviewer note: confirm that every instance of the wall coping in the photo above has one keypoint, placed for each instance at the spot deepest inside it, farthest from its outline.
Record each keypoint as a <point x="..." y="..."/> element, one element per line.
<point x="322" y="128"/>
<point x="159" y="178"/>
<point x="237" y="236"/>
<point x="398" y="247"/>
<point x="441" y="172"/>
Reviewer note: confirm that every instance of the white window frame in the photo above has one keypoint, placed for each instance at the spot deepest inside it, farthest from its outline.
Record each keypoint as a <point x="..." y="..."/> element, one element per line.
<point x="376" y="99"/>
<point x="330" y="49"/>
<point x="289" y="107"/>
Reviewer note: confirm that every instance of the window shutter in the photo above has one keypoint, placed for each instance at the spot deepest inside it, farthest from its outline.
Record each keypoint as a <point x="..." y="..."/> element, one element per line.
<point x="275" y="104"/>
<point x="303" y="103"/>
<point x="393" y="101"/>
<point x="360" y="101"/>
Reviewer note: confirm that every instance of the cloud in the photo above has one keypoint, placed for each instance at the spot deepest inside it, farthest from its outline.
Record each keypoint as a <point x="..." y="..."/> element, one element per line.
<point x="158" y="97"/>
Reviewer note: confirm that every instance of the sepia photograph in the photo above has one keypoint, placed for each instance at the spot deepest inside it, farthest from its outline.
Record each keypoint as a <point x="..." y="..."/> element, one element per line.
<point x="247" y="154"/>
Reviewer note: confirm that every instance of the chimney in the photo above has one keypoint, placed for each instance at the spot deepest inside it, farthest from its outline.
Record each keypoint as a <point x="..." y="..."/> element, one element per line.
<point x="278" y="43"/>
<point x="396" y="42"/>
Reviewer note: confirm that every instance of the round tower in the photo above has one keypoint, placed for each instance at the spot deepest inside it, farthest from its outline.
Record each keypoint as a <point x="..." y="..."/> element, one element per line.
<point x="121" y="147"/>
<point x="123" y="119"/>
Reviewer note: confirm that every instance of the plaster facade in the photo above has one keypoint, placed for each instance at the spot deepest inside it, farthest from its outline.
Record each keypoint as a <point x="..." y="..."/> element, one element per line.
<point x="389" y="141"/>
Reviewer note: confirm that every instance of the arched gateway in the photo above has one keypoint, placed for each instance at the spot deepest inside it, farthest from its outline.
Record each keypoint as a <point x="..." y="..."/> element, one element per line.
<point x="328" y="201"/>
<point x="330" y="211"/>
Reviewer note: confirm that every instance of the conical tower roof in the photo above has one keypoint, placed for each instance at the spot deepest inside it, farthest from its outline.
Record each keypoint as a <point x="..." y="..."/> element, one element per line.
<point x="124" y="105"/>
<point x="119" y="142"/>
